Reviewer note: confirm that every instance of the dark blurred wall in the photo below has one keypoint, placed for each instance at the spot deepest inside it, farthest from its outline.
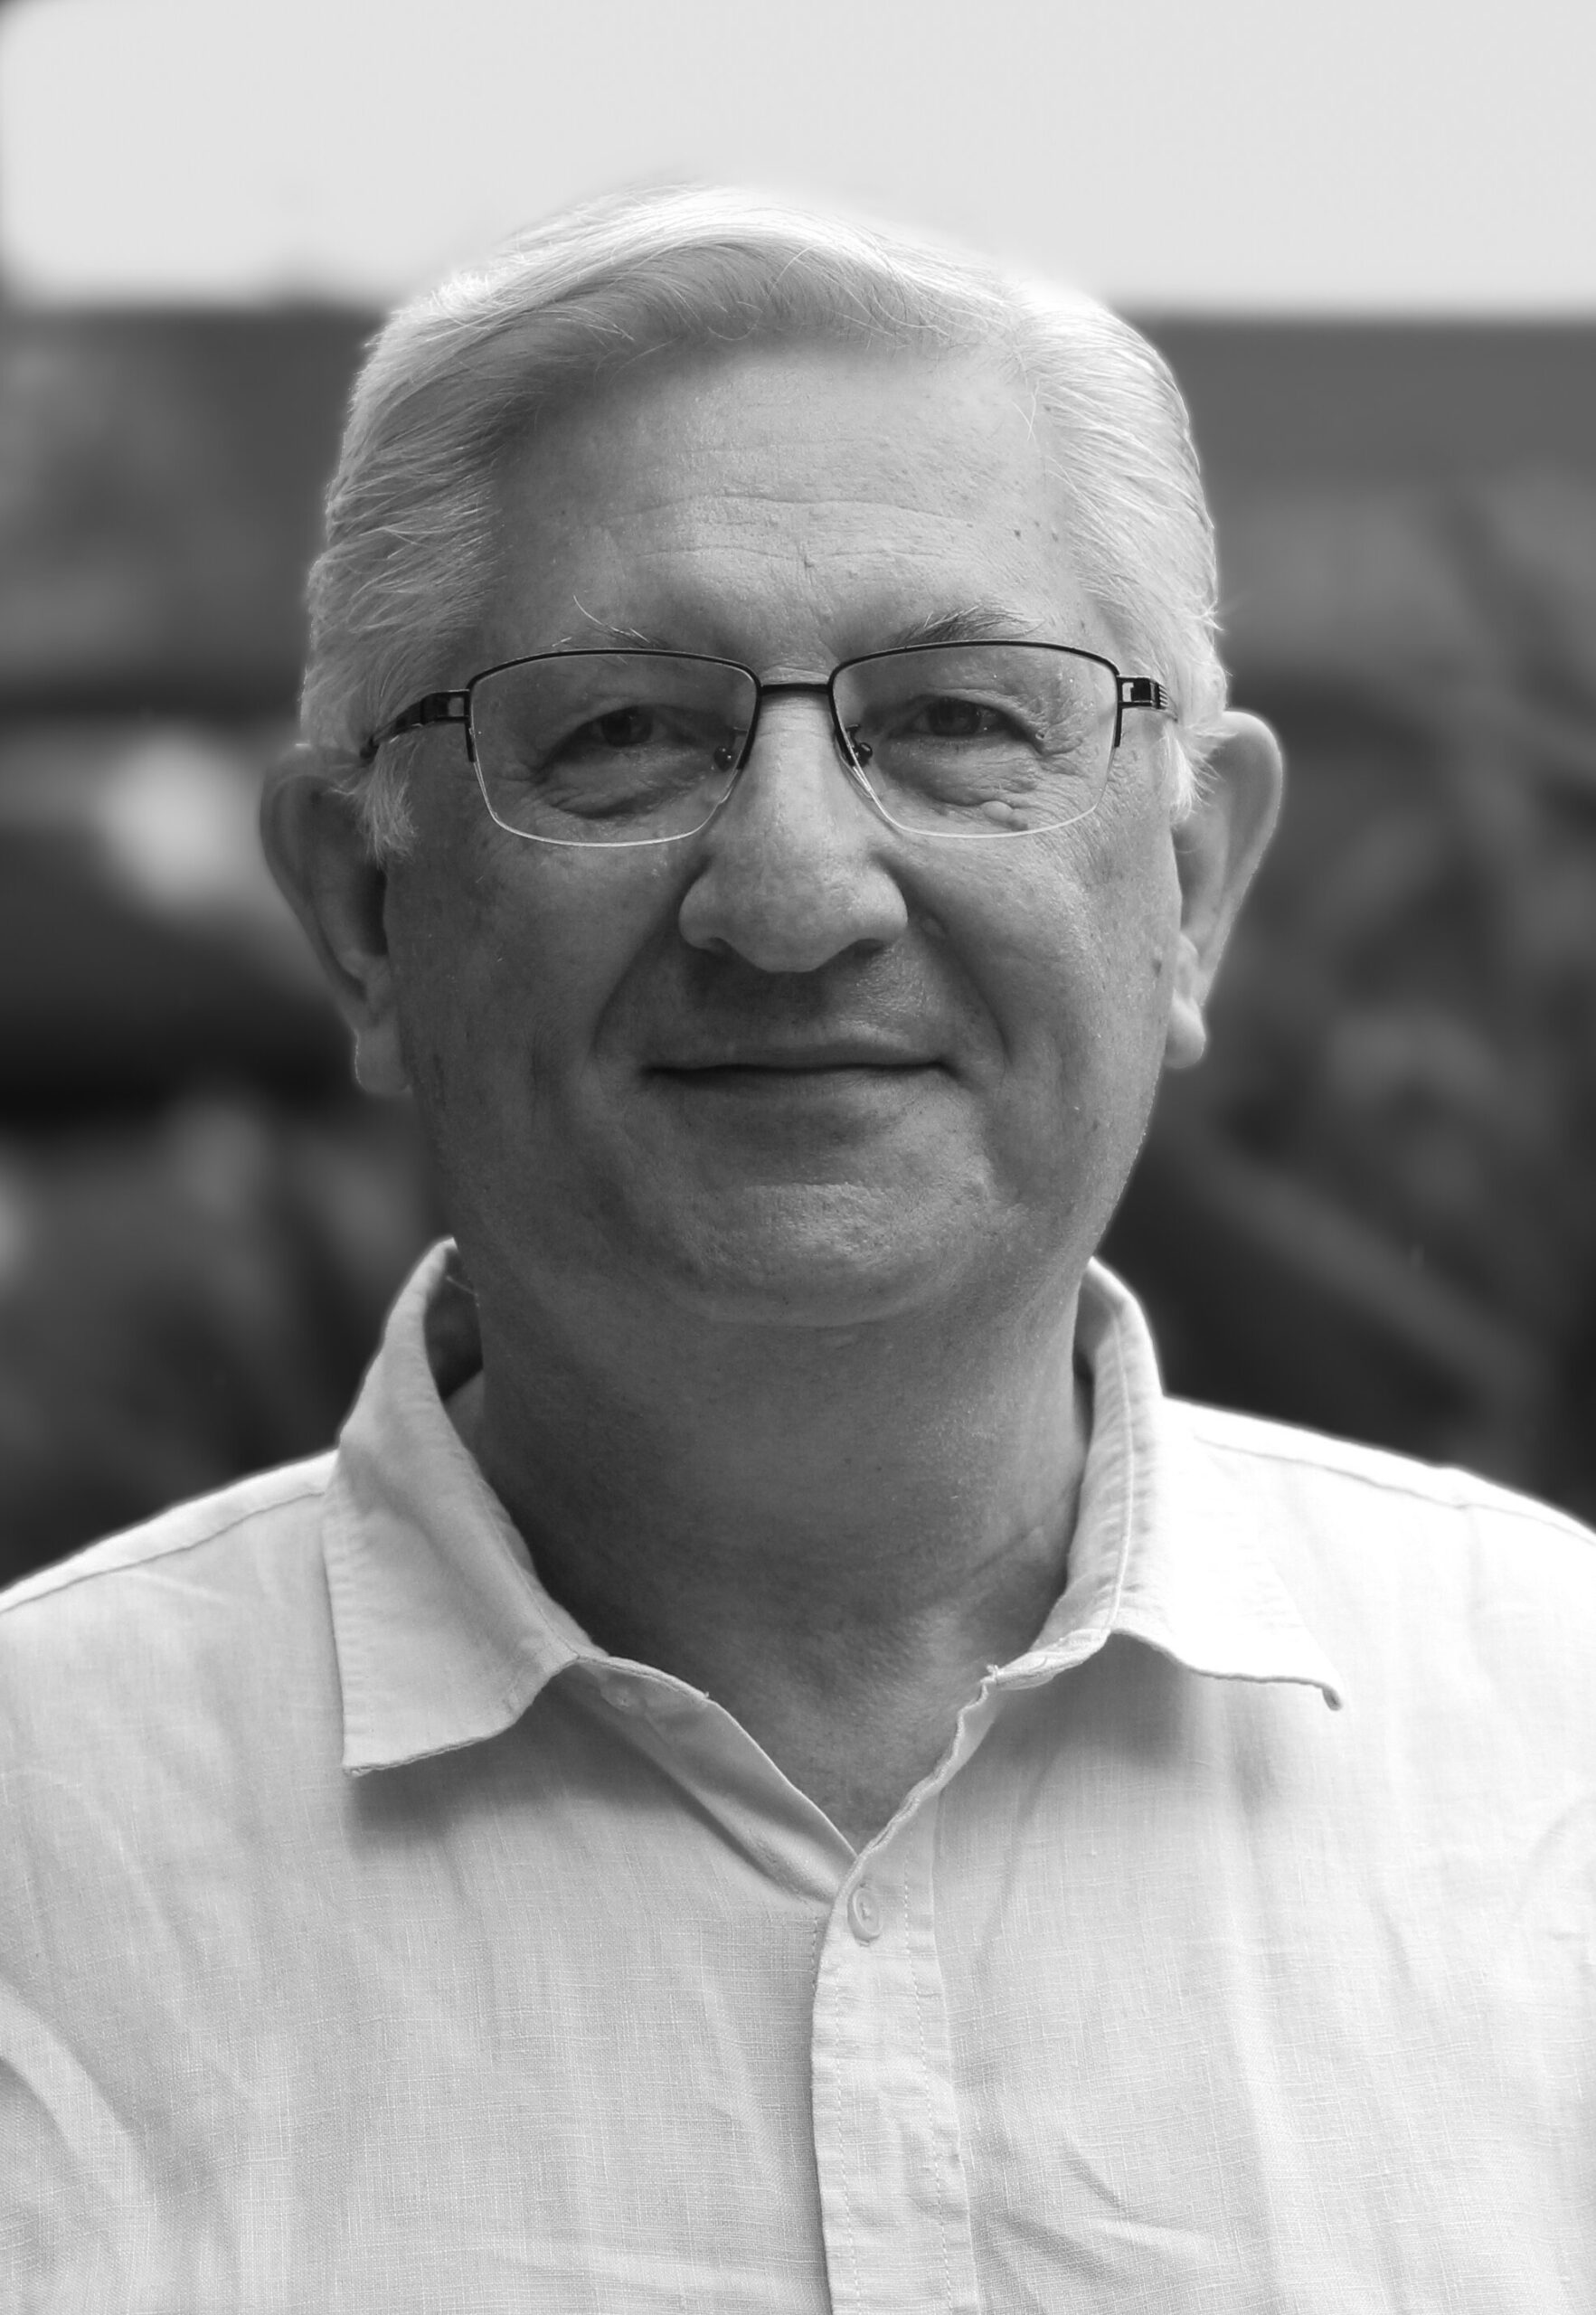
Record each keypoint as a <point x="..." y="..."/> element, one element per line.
<point x="160" y="483"/>
<point x="1370" y="1210"/>
<point x="1373" y="1209"/>
<point x="201" y="1225"/>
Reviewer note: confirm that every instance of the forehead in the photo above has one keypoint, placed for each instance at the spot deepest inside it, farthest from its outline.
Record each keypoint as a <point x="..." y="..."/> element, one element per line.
<point x="785" y="503"/>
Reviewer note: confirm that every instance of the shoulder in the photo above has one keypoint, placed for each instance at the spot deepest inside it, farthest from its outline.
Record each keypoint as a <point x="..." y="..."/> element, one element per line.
<point x="208" y="1580"/>
<point x="271" y="1501"/>
<point x="1441" y="1577"/>
<point x="1346" y="1478"/>
<point x="167" y="1698"/>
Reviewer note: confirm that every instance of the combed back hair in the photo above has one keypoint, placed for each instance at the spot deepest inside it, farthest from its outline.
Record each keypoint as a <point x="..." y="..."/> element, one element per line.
<point x="458" y="378"/>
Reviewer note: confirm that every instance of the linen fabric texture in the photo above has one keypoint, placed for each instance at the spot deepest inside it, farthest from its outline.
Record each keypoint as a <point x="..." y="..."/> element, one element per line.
<point x="370" y="1939"/>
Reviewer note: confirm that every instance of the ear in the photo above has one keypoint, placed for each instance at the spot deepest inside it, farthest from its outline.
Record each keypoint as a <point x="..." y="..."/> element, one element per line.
<point x="1218" y="848"/>
<point x="318" y="851"/>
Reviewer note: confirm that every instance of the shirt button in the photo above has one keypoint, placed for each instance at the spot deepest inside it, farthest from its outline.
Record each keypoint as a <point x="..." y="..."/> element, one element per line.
<point x="865" y="1916"/>
<point x="623" y="1698"/>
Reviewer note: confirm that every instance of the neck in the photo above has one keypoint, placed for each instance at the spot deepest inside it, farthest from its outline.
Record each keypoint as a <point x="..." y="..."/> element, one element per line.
<point x="834" y="1529"/>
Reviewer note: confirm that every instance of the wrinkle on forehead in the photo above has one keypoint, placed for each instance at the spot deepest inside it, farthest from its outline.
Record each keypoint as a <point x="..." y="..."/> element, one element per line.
<point x="851" y="495"/>
<point x="970" y="623"/>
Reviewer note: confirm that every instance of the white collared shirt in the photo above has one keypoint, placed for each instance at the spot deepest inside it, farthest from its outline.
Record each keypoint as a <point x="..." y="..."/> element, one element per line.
<point x="370" y="1941"/>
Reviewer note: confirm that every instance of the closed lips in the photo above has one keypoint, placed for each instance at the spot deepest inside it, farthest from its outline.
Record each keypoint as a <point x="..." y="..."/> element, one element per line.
<point x="839" y="1056"/>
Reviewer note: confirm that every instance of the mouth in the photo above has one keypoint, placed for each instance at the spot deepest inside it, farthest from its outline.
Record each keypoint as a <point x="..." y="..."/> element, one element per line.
<point x="792" y="1070"/>
<point x="791" y="1060"/>
<point x="825" y="1075"/>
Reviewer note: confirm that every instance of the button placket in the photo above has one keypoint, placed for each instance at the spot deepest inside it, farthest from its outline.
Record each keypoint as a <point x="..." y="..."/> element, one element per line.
<point x="894" y="2199"/>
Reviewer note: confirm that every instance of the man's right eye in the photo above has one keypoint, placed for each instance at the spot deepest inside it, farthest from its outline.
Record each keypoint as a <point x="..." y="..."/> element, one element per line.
<point x="622" y="727"/>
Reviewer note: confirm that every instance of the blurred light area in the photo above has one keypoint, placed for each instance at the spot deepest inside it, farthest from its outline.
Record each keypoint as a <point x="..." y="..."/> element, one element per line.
<point x="1379" y="155"/>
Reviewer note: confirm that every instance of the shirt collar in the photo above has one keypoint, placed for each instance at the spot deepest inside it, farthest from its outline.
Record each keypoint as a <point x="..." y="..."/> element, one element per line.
<point x="1168" y="1548"/>
<point x="444" y="1634"/>
<point x="445" y="1637"/>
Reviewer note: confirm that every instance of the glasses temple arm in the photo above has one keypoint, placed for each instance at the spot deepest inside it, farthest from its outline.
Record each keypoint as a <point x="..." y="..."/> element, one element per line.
<point x="438" y="707"/>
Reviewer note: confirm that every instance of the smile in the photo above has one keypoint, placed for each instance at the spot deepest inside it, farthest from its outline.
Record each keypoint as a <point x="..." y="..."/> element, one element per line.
<point x="791" y="1083"/>
<point x="822" y="1057"/>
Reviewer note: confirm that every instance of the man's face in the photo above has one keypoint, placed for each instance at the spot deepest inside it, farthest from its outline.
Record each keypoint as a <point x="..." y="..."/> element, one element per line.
<point x="801" y="1068"/>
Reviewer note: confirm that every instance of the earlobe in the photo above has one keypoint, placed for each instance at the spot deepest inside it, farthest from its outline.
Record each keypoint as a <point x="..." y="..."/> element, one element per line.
<point x="379" y="1062"/>
<point x="317" y="850"/>
<point x="1218" y="848"/>
<point x="1185" y="1039"/>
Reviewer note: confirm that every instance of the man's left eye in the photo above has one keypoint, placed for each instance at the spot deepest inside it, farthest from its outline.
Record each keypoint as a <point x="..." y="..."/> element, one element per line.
<point x="958" y="719"/>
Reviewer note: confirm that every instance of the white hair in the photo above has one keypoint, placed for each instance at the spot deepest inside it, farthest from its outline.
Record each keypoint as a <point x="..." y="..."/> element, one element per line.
<point x="458" y="377"/>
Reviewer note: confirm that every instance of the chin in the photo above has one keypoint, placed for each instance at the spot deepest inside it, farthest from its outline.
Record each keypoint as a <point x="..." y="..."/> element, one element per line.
<point x="818" y="1258"/>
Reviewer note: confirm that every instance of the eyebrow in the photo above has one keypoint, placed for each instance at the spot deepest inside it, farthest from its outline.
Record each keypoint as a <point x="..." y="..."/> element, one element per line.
<point x="976" y="623"/>
<point x="980" y="623"/>
<point x="600" y="635"/>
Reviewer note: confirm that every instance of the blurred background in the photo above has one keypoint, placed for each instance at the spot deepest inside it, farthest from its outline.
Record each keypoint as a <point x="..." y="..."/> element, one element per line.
<point x="1373" y="265"/>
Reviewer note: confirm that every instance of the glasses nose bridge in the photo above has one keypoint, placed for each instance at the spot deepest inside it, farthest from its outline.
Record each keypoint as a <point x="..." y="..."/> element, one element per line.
<point x="815" y="686"/>
<point x="823" y="687"/>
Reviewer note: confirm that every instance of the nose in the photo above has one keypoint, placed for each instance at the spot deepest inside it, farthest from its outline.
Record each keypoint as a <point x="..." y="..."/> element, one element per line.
<point x="790" y="872"/>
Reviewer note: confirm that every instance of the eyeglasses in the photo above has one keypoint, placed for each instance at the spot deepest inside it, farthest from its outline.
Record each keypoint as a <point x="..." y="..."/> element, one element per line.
<point x="966" y="741"/>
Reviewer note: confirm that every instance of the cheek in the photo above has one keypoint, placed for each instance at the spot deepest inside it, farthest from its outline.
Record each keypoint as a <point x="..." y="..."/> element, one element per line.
<point x="452" y="932"/>
<point x="1088" y="939"/>
<point x="508" y="958"/>
<point x="1132" y="876"/>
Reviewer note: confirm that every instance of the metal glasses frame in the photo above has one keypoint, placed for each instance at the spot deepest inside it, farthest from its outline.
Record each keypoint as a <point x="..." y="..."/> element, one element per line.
<point x="456" y="707"/>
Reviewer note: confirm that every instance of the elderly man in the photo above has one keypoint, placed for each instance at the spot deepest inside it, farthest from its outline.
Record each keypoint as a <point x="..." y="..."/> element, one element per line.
<point x="772" y="1770"/>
